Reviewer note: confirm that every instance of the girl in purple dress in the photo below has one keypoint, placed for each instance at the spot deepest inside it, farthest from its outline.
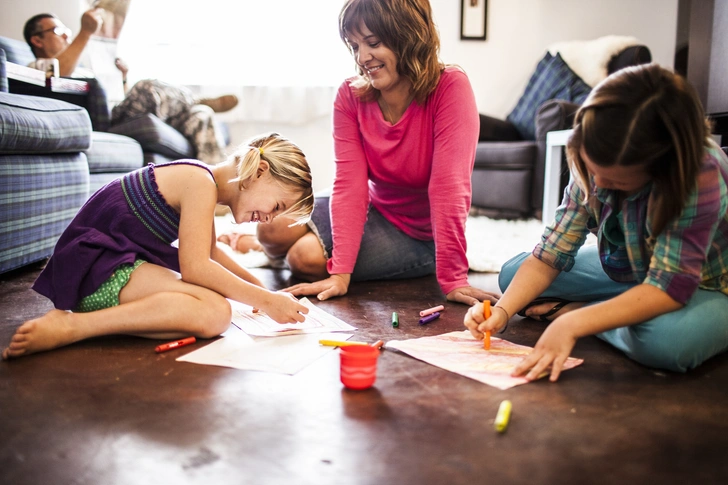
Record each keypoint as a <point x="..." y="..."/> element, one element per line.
<point x="115" y="267"/>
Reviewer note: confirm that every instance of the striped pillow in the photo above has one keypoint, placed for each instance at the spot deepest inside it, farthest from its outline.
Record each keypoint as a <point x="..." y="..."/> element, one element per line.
<point x="552" y="79"/>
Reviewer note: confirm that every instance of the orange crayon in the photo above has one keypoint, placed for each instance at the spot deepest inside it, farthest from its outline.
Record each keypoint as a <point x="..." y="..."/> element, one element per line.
<point x="175" y="344"/>
<point x="486" y="315"/>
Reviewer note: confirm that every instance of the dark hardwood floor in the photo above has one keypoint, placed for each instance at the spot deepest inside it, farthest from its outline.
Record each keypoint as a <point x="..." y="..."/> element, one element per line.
<point x="112" y="411"/>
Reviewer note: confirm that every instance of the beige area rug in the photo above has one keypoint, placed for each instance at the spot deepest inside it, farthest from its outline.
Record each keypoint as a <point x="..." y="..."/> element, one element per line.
<point x="491" y="242"/>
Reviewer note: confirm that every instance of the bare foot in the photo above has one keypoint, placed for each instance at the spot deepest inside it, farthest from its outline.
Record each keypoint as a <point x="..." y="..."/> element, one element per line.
<point x="50" y="331"/>
<point x="241" y="242"/>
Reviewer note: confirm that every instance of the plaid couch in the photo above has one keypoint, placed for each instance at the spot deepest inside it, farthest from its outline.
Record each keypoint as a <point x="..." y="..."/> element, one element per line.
<point x="159" y="141"/>
<point x="50" y="162"/>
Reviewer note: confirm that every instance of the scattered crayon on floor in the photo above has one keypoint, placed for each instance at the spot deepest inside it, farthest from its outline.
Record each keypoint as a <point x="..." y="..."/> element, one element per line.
<point x="503" y="417"/>
<point x="432" y="310"/>
<point x="429" y="318"/>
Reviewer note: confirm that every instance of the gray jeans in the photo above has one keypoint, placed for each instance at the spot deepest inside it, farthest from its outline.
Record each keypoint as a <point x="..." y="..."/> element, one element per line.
<point x="385" y="252"/>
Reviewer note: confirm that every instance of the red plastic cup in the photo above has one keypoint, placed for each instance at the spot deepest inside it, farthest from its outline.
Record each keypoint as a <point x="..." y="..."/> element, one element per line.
<point x="358" y="366"/>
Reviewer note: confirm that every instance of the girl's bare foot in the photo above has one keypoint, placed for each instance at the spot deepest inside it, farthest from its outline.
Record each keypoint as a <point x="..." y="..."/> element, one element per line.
<point x="50" y="331"/>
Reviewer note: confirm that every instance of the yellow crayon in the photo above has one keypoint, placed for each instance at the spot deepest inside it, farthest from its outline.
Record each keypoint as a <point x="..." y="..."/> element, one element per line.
<point x="503" y="416"/>
<point x="340" y="343"/>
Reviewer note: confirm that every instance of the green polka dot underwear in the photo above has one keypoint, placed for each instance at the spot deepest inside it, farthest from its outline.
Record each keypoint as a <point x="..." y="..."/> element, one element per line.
<point x="107" y="294"/>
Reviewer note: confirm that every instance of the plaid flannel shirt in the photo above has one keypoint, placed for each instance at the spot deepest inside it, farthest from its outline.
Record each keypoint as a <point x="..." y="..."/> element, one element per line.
<point x="691" y="252"/>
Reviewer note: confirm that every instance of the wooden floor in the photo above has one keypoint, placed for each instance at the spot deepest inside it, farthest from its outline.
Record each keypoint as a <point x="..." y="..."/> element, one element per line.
<point x="112" y="411"/>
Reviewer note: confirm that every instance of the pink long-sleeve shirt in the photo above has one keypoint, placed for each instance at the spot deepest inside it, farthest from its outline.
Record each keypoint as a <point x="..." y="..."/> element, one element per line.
<point x="416" y="173"/>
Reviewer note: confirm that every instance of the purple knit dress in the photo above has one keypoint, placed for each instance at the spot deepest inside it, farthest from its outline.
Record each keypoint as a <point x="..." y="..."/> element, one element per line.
<point x="126" y="220"/>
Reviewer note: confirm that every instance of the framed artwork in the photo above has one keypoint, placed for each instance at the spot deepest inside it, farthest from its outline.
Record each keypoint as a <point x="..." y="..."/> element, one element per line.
<point x="473" y="16"/>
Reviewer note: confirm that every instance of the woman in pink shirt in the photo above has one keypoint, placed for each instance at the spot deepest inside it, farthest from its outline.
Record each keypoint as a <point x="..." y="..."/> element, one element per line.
<point x="405" y="132"/>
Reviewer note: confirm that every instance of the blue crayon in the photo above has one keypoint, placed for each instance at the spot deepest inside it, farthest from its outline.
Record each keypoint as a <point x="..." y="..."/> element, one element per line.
<point x="429" y="318"/>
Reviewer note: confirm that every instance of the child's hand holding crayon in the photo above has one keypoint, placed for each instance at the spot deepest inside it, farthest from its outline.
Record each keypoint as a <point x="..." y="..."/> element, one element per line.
<point x="478" y="324"/>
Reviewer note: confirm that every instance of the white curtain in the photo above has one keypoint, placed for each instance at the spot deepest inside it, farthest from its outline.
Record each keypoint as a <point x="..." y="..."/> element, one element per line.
<point x="283" y="58"/>
<point x="245" y="42"/>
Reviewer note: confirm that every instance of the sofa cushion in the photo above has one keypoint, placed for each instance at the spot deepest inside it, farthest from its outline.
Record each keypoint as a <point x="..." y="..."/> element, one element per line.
<point x="156" y="136"/>
<point x="111" y="153"/>
<point x="514" y="155"/>
<point x="504" y="191"/>
<point x="17" y="51"/>
<point x="3" y="73"/>
<point x="29" y="124"/>
<point x="156" y="158"/>
<point x="494" y="129"/>
<point x="552" y="79"/>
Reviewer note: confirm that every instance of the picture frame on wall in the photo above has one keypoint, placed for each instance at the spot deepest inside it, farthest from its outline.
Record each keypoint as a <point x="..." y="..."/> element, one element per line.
<point x="473" y="18"/>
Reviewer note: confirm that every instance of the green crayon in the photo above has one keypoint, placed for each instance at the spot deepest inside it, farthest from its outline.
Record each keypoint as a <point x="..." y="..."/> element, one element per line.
<point x="395" y="320"/>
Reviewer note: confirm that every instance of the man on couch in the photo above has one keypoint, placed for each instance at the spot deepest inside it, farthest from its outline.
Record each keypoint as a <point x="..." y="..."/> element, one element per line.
<point x="48" y="37"/>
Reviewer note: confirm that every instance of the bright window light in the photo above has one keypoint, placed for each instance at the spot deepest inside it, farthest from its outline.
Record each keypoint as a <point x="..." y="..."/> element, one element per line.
<point x="236" y="42"/>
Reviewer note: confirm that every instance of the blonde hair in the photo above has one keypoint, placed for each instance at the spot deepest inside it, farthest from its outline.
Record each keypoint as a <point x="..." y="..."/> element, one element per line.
<point x="288" y="166"/>
<point x="407" y="28"/>
<point x="644" y="115"/>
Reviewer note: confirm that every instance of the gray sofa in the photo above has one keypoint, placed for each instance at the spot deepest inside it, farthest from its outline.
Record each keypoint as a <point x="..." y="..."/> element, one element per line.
<point x="50" y="162"/>
<point x="509" y="167"/>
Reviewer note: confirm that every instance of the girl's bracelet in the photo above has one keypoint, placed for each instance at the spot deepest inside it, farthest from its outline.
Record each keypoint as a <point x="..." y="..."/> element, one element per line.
<point x="508" y="317"/>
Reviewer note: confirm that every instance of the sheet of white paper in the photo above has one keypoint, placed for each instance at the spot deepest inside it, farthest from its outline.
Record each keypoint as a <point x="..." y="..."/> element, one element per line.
<point x="285" y="355"/>
<point x="460" y="353"/>
<point x="100" y="56"/>
<point x="261" y="325"/>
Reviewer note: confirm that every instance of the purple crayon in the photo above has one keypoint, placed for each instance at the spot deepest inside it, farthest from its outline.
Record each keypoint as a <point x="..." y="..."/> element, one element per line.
<point x="429" y="318"/>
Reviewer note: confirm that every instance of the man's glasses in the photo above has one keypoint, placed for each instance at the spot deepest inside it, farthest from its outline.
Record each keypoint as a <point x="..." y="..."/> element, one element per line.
<point x="58" y="30"/>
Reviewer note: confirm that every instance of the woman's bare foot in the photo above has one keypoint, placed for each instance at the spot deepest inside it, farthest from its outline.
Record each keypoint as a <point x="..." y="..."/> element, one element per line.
<point x="241" y="243"/>
<point x="50" y="331"/>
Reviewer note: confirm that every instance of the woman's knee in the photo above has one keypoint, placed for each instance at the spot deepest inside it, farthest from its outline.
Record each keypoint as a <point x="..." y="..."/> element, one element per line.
<point x="306" y="258"/>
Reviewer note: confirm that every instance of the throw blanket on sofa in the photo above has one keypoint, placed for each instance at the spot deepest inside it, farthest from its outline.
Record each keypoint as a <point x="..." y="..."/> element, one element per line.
<point x="589" y="58"/>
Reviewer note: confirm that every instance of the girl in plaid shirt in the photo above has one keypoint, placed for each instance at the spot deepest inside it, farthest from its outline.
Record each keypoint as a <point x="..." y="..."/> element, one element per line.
<point x="652" y="186"/>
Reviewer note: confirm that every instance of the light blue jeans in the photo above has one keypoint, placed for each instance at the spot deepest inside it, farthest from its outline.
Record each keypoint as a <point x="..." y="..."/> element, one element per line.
<point x="386" y="253"/>
<point x="676" y="341"/>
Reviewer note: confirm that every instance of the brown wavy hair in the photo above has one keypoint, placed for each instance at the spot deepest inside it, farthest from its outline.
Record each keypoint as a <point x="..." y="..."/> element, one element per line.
<point x="407" y="28"/>
<point x="644" y="115"/>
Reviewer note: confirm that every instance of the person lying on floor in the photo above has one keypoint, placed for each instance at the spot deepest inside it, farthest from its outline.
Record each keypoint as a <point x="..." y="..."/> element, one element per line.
<point x="652" y="185"/>
<point x="175" y="105"/>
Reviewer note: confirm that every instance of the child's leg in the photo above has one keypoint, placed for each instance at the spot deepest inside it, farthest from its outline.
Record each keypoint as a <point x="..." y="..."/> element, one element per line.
<point x="680" y="340"/>
<point x="155" y="303"/>
<point x="586" y="281"/>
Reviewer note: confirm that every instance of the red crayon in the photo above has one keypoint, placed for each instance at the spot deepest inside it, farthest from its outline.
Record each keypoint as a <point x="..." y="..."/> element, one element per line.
<point x="175" y="345"/>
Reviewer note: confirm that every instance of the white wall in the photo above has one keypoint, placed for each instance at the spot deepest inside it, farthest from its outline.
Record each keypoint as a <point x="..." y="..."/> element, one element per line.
<point x="518" y="34"/>
<point x="16" y="12"/>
